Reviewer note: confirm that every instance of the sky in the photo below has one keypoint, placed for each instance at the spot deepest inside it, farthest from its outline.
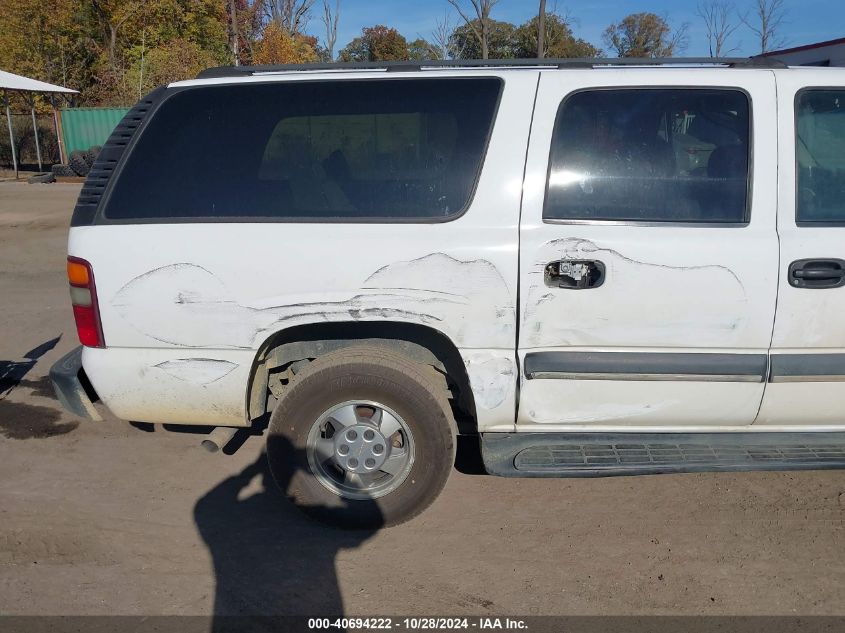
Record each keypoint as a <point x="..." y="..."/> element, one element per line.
<point x="807" y="21"/>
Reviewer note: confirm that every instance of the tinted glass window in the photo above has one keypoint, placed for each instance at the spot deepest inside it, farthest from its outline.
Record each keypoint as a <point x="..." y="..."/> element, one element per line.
<point x="660" y="155"/>
<point x="820" y="150"/>
<point x="402" y="150"/>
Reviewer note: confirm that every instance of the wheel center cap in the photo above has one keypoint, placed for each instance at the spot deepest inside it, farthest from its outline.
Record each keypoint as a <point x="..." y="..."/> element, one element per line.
<point x="360" y="448"/>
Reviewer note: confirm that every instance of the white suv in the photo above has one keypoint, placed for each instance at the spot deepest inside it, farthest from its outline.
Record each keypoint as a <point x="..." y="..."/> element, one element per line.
<point x="595" y="270"/>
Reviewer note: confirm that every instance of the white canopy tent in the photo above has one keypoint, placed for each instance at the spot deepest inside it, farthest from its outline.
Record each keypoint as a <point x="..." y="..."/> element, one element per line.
<point x="9" y="82"/>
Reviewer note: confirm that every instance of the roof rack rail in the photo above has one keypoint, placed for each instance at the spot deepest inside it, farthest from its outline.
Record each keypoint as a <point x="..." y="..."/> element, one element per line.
<point x="410" y="66"/>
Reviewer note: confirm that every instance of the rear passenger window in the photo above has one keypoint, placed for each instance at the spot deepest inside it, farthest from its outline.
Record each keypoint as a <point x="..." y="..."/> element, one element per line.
<point x="820" y="153"/>
<point x="651" y="155"/>
<point x="381" y="150"/>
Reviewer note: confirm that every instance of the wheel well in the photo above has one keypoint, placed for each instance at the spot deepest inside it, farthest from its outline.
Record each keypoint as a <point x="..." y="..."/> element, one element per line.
<point x="281" y="355"/>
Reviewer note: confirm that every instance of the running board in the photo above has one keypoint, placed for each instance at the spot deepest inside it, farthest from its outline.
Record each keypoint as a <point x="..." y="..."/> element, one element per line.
<point x="612" y="454"/>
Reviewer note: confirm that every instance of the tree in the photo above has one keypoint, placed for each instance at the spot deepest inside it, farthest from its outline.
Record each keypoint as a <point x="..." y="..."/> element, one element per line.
<point x="112" y="15"/>
<point x="110" y="49"/>
<point x="277" y="46"/>
<point x="45" y="41"/>
<point x="441" y="37"/>
<point x="717" y="16"/>
<point x="421" y="49"/>
<point x="244" y="23"/>
<point x="385" y="44"/>
<point x="234" y="35"/>
<point x="499" y="41"/>
<point x="292" y="15"/>
<point x="123" y="33"/>
<point x="376" y="43"/>
<point x="541" y="30"/>
<point x="355" y="51"/>
<point x="175" y="60"/>
<point x="480" y="26"/>
<point x="766" y="21"/>
<point x="558" y="40"/>
<point x="645" y="35"/>
<point x="330" y="19"/>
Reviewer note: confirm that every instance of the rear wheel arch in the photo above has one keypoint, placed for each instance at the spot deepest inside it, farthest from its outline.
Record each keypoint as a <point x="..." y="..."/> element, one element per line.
<point x="283" y="350"/>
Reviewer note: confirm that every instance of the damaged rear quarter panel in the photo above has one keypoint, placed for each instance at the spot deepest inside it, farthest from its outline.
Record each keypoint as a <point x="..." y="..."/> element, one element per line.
<point x="197" y="296"/>
<point x="192" y="316"/>
<point x="202" y="387"/>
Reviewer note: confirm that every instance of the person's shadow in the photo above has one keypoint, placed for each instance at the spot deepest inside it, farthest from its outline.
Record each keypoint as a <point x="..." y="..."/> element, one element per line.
<point x="269" y="558"/>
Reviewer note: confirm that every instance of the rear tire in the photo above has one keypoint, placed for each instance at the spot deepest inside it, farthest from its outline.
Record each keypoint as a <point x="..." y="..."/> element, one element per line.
<point x="402" y="410"/>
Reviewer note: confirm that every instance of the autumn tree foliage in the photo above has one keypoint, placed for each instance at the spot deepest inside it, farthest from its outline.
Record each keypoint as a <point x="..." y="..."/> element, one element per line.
<point x="477" y="19"/>
<point x="376" y="43"/>
<point x="499" y="40"/>
<point x="43" y="40"/>
<point x="170" y="61"/>
<point x="114" y="51"/>
<point x="111" y="50"/>
<point x="278" y="46"/>
<point x="645" y="35"/>
<point x="558" y="39"/>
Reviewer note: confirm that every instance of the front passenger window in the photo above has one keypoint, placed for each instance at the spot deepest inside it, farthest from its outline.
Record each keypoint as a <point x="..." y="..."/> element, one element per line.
<point x="652" y="155"/>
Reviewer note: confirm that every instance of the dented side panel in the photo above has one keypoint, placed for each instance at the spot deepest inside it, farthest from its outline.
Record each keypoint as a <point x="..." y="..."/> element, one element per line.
<point x="185" y="307"/>
<point x="653" y="299"/>
<point x="176" y="386"/>
<point x="665" y="288"/>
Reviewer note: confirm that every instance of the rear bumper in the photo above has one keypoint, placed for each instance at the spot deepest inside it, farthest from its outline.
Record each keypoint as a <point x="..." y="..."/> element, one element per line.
<point x="65" y="375"/>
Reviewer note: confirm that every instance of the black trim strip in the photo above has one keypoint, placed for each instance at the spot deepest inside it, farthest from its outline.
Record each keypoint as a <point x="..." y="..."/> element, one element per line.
<point x="807" y="368"/>
<point x="646" y="366"/>
<point x="757" y="61"/>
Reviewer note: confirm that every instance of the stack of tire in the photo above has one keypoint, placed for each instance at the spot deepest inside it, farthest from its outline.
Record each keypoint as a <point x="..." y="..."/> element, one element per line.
<point x="79" y="163"/>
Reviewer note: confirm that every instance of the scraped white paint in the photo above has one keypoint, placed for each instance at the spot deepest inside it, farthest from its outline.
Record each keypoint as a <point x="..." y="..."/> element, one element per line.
<point x="161" y="386"/>
<point x="493" y="379"/>
<point x="187" y="305"/>
<point x="633" y="403"/>
<point x="197" y="290"/>
<point x="634" y="303"/>
<point x="198" y="370"/>
<point x="672" y="288"/>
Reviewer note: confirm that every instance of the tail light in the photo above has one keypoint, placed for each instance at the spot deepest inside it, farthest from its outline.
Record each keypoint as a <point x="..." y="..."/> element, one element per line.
<point x="83" y="296"/>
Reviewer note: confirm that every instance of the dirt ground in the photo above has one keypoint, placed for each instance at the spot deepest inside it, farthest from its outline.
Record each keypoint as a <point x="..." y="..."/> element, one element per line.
<point x="105" y="518"/>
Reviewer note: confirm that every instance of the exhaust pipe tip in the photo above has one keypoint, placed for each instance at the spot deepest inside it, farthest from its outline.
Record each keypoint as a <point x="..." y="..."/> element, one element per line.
<point x="218" y="438"/>
<point x="210" y="446"/>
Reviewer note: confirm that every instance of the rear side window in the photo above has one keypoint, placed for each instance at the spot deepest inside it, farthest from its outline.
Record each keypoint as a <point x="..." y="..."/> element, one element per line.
<point x="651" y="155"/>
<point x="820" y="154"/>
<point x="380" y="150"/>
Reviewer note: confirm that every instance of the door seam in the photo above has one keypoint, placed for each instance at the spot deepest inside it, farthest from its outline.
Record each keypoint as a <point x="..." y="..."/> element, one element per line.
<point x="518" y="306"/>
<point x="768" y="376"/>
